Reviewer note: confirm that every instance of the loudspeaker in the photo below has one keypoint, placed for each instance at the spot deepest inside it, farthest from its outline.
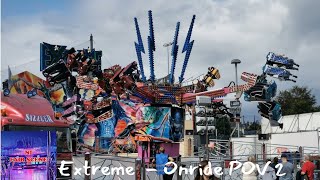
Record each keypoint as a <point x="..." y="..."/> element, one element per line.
<point x="263" y="137"/>
<point x="189" y="132"/>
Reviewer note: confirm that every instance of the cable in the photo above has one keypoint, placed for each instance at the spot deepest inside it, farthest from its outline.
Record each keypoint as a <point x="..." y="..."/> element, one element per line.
<point x="78" y="44"/>
<point x="192" y="78"/>
<point x="11" y="67"/>
<point x="107" y="61"/>
<point x="38" y="59"/>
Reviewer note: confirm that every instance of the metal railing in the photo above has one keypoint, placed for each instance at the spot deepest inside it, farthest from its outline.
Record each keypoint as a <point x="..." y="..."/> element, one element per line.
<point x="222" y="153"/>
<point x="108" y="145"/>
<point x="145" y="170"/>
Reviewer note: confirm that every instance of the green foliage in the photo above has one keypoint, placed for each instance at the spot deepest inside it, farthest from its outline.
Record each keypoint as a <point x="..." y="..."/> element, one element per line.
<point x="224" y="127"/>
<point x="297" y="100"/>
<point x="253" y="126"/>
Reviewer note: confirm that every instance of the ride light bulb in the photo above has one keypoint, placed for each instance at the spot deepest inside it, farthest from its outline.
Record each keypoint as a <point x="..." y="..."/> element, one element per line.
<point x="3" y="110"/>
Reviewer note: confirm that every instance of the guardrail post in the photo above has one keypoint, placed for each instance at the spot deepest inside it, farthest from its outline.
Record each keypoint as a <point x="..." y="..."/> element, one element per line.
<point x="144" y="150"/>
<point x="231" y="150"/>
<point x="222" y="165"/>
<point x="295" y="163"/>
<point x="264" y="152"/>
<point x="97" y="144"/>
<point x="301" y="154"/>
<point x="138" y="168"/>
<point x="87" y="157"/>
<point x="179" y="176"/>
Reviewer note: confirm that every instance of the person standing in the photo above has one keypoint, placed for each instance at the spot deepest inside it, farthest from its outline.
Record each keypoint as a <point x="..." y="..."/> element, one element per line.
<point x="161" y="160"/>
<point x="254" y="174"/>
<point x="308" y="167"/>
<point x="169" y="169"/>
<point x="274" y="164"/>
<point x="269" y="173"/>
<point x="74" y="142"/>
<point x="287" y="168"/>
<point x="202" y="173"/>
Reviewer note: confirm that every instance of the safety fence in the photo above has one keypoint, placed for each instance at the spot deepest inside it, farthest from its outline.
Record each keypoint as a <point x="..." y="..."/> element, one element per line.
<point x="221" y="152"/>
<point x="126" y="167"/>
<point x="216" y="148"/>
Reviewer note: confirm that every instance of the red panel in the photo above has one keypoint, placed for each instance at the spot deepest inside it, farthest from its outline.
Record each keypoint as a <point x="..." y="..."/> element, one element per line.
<point x="64" y="156"/>
<point x="34" y="111"/>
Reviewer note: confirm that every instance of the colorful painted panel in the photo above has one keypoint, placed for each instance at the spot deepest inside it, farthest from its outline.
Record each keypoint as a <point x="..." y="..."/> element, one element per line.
<point x="93" y="54"/>
<point x="164" y="122"/>
<point x="159" y="119"/>
<point x="177" y="123"/>
<point x="26" y="81"/>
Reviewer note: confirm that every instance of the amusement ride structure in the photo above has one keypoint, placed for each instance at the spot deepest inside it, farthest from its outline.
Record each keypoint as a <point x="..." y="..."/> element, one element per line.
<point x="97" y="101"/>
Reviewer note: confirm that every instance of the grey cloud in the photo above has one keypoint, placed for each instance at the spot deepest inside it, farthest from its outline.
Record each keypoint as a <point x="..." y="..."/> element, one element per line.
<point x="223" y="30"/>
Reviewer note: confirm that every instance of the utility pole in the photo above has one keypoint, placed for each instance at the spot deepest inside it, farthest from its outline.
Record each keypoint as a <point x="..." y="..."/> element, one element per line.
<point x="236" y="62"/>
<point x="167" y="46"/>
<point x="207" y="134"/>
<point x="91" y="42"/>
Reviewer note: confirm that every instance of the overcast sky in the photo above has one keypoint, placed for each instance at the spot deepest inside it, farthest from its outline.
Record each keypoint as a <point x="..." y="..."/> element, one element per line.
<point x="223" y="30"/>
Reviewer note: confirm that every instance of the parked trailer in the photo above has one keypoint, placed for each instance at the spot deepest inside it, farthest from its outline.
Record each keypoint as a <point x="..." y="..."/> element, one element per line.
<point x="20" y="113"/>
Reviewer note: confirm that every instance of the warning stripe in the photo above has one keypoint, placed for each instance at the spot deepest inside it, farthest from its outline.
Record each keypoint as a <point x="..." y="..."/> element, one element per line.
<point x="100" y="118"/>
<point x="70" y="101"/>
<point x="102" y="104"/>
<point x="85" y="85"/>
<point x="69" y="110"/>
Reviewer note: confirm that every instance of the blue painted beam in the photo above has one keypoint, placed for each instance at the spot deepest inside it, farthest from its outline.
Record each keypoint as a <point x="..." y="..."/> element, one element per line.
<point x="187" y="42"/>
<point x="174" y="53"/>
<point x="186" y="60"/>
<point x="152" y="76"/>
<point x="139" y="49"/>
<point x="151" y="47"/>
<point x="187" y="47"/>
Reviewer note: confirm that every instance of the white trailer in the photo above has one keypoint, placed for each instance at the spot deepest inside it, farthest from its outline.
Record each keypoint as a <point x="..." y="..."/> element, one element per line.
<point x="302" y="130"/>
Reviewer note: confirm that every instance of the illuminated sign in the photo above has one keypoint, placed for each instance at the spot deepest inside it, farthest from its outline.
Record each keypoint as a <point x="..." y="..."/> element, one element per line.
<point x="28" y="159"/>
<point x="17" y="159"/>
<point x="28" y="152"/>
<point x="35" y="118"/>
<point x="235" y="103"/>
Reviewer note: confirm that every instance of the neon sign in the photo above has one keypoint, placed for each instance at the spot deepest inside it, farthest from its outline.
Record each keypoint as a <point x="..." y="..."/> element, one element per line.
<point x="28" y="152"/>
<point x="36" y="118"/>
<point x="28" y="159"/>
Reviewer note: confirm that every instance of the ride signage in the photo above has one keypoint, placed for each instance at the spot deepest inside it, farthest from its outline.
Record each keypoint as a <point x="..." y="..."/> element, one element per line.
<point x="28" y="159"/>
<point x="36" y="118"/>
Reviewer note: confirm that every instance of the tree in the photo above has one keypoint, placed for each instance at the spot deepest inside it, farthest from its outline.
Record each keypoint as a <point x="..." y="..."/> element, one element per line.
<point x="297" y="100"/>
<point x="223" y="126"/>
<point x="254" y="126"/>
